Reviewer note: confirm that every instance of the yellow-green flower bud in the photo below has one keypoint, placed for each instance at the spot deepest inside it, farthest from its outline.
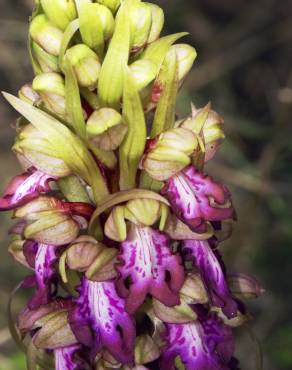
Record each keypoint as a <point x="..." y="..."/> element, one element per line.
<point x="143" y="72"/>
<point x="157" y="22"/>
<point x="169" y="153"/>
<point x="46" y="61"/>
<point x="106" y="129"/>
<point x="85" y="63"/>
<point x="140" y="24"/>
<point x="186" y="56"/>
<point x="46" y="35"/>
<point x="107" y="20"/>
<point x="60" y="12"/>
<point x="51" y="87"/>
<point x="34" y="149"/>
<point x="209" y="125"/>
<point x="111" y="4"/>
<point x="28" y="94"/>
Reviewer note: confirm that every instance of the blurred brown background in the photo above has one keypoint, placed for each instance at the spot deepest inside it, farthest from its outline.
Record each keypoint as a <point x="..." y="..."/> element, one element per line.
<point x="244" y="68"/>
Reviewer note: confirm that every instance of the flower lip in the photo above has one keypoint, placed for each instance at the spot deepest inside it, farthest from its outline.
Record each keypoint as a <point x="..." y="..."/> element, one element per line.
<point x="24" y="188"/>
<point x="151" y="267"/>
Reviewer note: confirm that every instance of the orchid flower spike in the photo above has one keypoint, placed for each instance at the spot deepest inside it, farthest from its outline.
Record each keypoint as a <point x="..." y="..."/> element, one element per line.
<point x="117" y="221"/>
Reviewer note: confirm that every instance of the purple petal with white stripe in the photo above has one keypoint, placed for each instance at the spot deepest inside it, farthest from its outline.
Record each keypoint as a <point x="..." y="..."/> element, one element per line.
<point x="103" y="310"/>
<point x="196" y="198"/>
<point x="205" y="344"/>
<point x="44" y="274"/>
<point x="24" y="188"/>
<point x="212" y="275"/>
<point x="66" y="359"/>
<point x="150" y="267"/>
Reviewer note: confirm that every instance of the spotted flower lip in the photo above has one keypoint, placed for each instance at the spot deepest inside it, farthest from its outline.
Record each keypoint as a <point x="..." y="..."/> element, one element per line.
<point x="23" y="188"/>
<point x="203" y="344"/>
<point x="44" y="273"/>
<point x="100" y="320"/>
<point x="196" y="198"/>
<point x="151" y="268"/>
<point x="212" y="275"/>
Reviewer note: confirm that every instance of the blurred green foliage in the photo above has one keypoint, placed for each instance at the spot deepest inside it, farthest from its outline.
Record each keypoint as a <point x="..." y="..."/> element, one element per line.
<point x="244" y="68"/>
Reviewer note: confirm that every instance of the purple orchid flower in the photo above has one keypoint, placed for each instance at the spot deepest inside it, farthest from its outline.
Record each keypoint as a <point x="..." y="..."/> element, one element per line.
<point x="196" y="198"/>
<point x="212" y="275"/>
<point x="24" y="188"/>
<point x="44" y="273"/>
<point x="101" y="321"/>
<point x="151" y="267"/>
<point x="205" y="344"/>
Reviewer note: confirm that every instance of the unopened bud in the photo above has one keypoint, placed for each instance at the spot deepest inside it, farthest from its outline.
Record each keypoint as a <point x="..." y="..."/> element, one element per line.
<point x="244" y="286"/>
<point x="106" y="19"/>
<point x="140" y="20"/>
<point x="209" y="125"/>
<point x="51" y="87"/>
<point x="106" y="129"/>
<point x="157" y="22"/>
<point x="60" y="12"/>
<point x="170" y="153"/>
<point x="28" y="94"/>
<point x="143" y="72"/>
<point x="46" y="61"/>
<point x="146" y="350"/>
<point x="186" y="56"/>
<point x="34" y="149"/>
<point x="115" y="226"/>
<point x="193" y="290"/>
<point x="85" y="64"/>
<point x="16" y="250"/>
<point x="111" y="4"/>
<point x="46" y="35"/>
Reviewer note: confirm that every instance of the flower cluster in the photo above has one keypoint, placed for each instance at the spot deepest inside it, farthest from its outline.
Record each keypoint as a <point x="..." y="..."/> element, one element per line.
<point x="115" y="217"/>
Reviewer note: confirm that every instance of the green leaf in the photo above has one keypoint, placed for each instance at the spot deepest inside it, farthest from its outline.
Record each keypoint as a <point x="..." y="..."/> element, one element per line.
<point x="67" y="145"/>
<point x="157" y="50"/>
<point x="73" y="190"/>
<point x="70" y="31"/>
<point x="132" y="148"/>
<point x="110" y="84"/>
<point x="73" y="101"/>
<point x="164" y="118"/>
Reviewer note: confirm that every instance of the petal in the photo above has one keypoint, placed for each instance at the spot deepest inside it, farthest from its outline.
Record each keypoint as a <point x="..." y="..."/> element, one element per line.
<point x="150" y="267"/>
<point x="44" y="273"/>
<point x="114" y="329"/>
<point x="66" y="359"/>
<point x="212" y="275"/>
<point x="206" y="345"/>
<point x="24" y="188"/>
<point x="196" y="198"/>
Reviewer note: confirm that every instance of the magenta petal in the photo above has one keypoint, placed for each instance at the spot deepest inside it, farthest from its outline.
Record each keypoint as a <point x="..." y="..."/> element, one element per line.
<point x="104" y="310"/>
<point x="66" y="359"/>
<point x="204" y="345"/>
<point x="44" y="272"/>
<point x="213" y="276"/>
<point x="150" y="267"/>
<point x="24" y="188"/>
<point x="196" y="198"/>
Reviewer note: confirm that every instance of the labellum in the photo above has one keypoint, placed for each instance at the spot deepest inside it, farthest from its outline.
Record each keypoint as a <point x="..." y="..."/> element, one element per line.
<point x="118" y="224"/>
